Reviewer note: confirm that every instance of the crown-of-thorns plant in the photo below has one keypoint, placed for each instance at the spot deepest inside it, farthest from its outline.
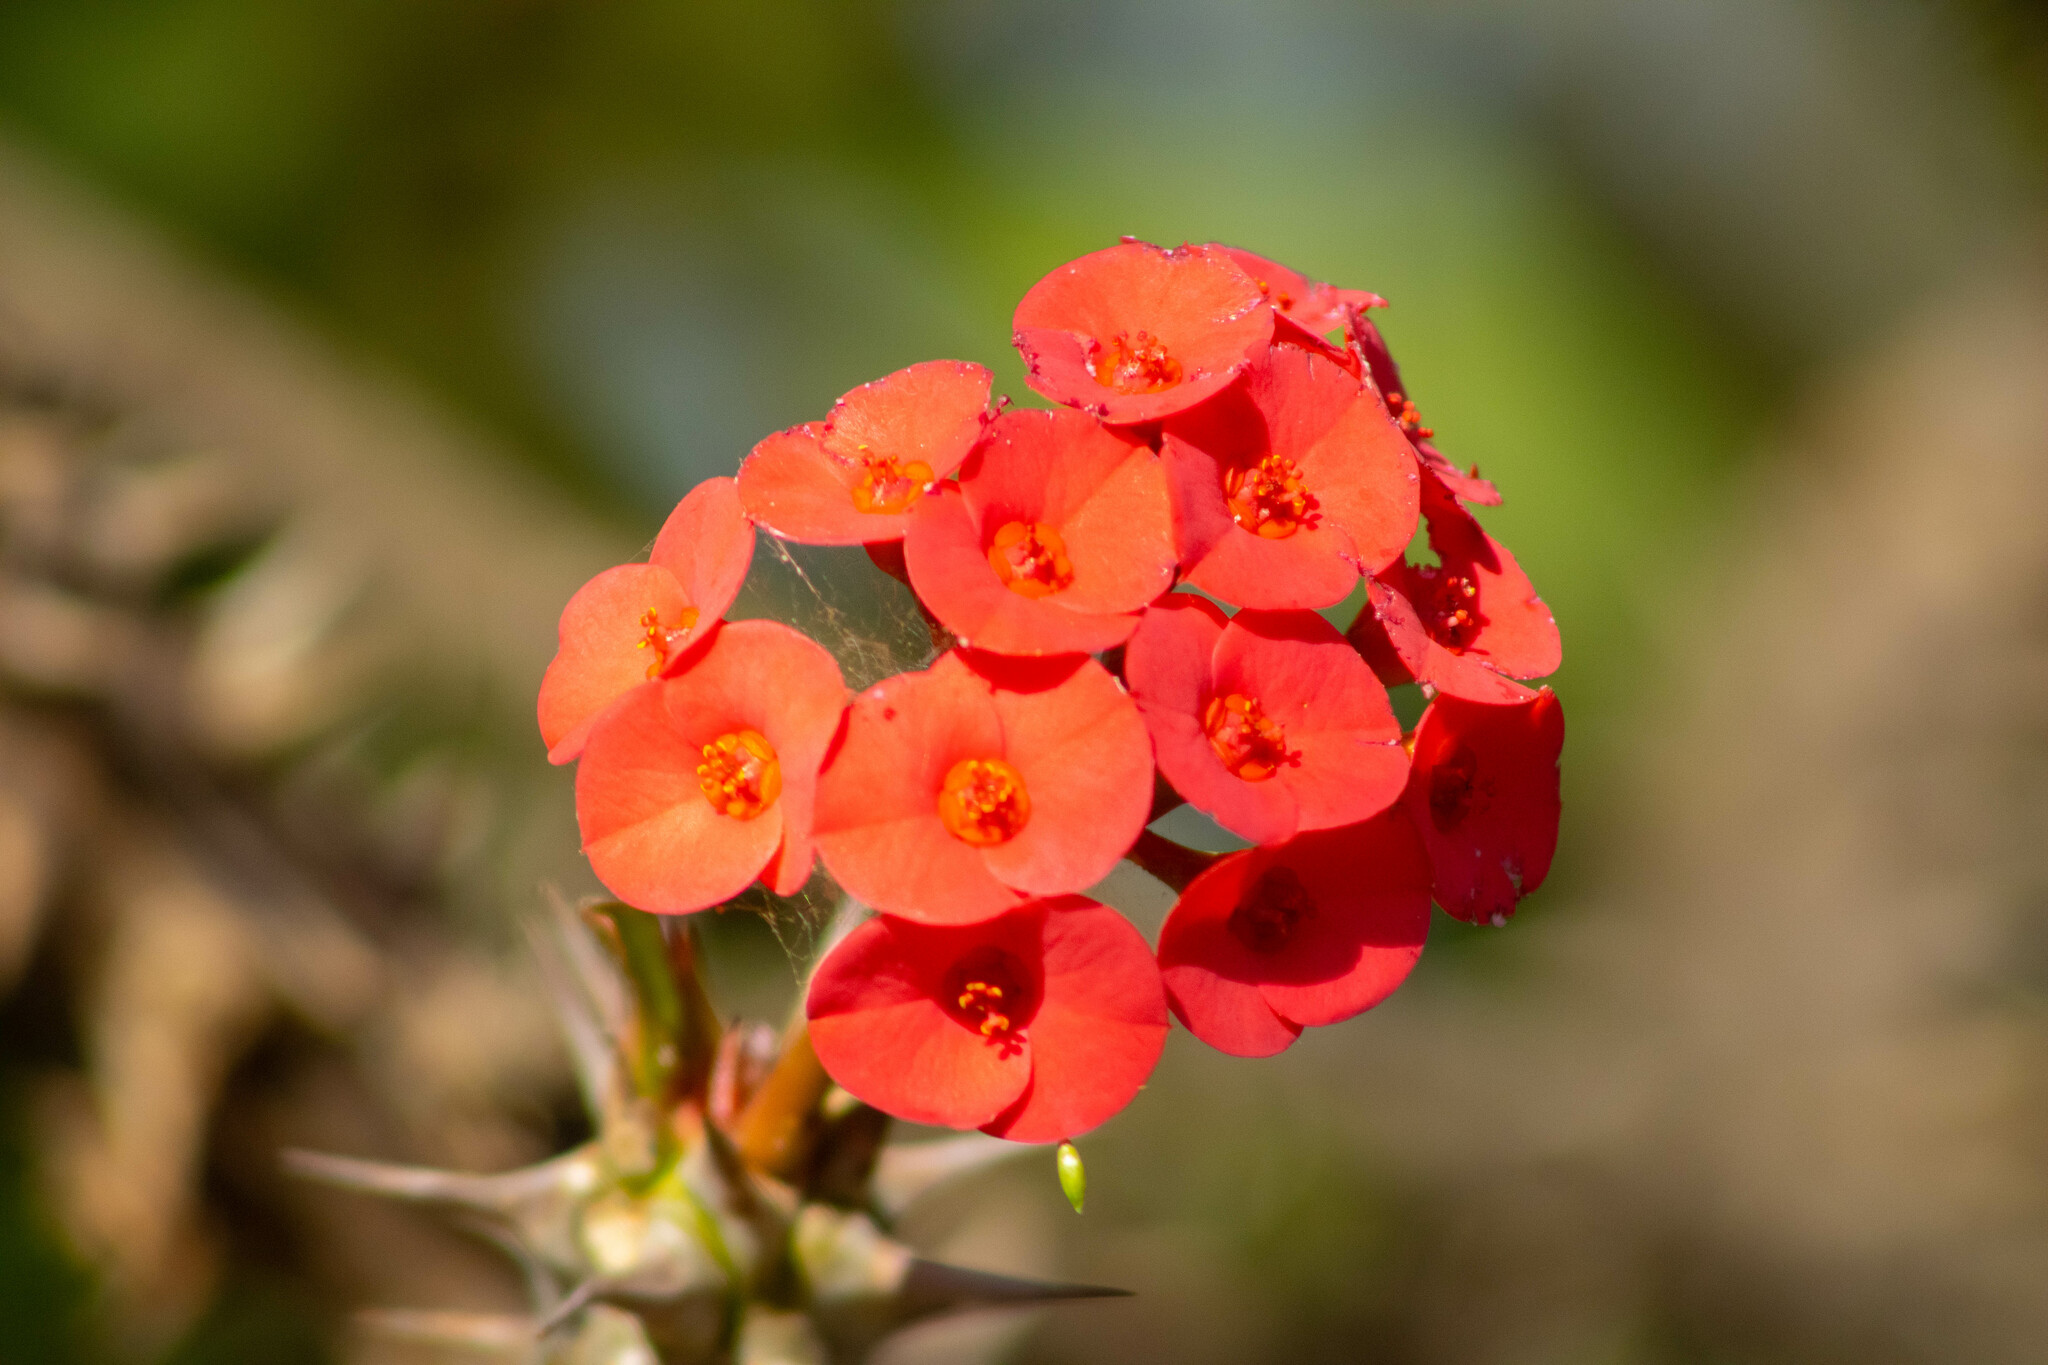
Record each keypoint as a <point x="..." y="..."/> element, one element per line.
<point x="1126" y="602"/>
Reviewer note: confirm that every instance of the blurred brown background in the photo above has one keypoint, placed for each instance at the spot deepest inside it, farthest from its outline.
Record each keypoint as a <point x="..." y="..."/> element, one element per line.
<point x="339" y="341"/>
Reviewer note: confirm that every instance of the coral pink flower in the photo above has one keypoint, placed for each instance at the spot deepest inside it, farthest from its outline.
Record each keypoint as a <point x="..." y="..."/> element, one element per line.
<point x="1484" y="795"/>
<point x="693" y="786"/>
<point x="1314" y="308"/>
<point x="1272" y="940"/>
<point x="1034" y="1026"/>
<point x="853" y="478"/>
<point x="960" y="791"/>
<point x="1268" y="721"/>
<point x="1379" y="363"/>
<point x="1056" y="536"/>
<point x="1135" y="332"/>
<point x="1289" y="485"/>
<point x="638" y="621"/>
<point x="1464" y="626"/>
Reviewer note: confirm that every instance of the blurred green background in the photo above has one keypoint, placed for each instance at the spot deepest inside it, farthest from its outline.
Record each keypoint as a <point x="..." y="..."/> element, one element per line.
<point x="626" y="238"/>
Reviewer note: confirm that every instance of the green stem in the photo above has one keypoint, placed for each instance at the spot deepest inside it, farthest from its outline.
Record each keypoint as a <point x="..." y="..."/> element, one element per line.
<point x="1172" y="863"/>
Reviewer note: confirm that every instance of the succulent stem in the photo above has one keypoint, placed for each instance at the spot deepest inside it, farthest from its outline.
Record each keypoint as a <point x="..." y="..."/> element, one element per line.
<point x="1172" y="863"/>
<point x="775" y="1131"/>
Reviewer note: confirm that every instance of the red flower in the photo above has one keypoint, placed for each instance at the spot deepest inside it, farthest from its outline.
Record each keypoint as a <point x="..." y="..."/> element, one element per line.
<point x="1314" y="308"/>
<point x="1289" y="485"/>
<point x="1464" y="626"/>
<point x="957" y="792"/>
<point x="1484" y="795"/>
<point x="1034" y="1026"/>
<point x="1386" y="377"/>
<point x="693" y="786"/>
<point x="1269" y="721"/>
<point x="853" y="478"/>
<point x="1056" y="536"/>
<point x="1272" y="940"/>
<point x="638" y="621"/>
<point x="1136" y="332"/>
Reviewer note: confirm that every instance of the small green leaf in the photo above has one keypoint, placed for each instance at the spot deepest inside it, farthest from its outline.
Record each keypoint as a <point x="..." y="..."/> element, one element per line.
<point x="1073" y="1176"/>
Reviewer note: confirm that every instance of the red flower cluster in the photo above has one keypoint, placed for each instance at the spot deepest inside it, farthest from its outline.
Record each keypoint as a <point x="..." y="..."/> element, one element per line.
<point x="1131" y="583"/>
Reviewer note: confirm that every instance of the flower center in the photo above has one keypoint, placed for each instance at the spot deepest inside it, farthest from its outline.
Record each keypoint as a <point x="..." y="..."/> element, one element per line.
<point x="1031" y="559"/>
<point x="740" y="774"/>
<point x="1269" y="915"/>
<point x="987" y="991"/>
<point x="1268" y="499"/>
<point x="1452" y="784"/>
<point x="1449" y="604"/>
<point x="983" y="802"/>
<point x="662" y="639"/>
<point x="1134" y="364"/>
<point x="1250" y="744"/>
<point x="889" y="485"/>
<point x="1409" y="419"/>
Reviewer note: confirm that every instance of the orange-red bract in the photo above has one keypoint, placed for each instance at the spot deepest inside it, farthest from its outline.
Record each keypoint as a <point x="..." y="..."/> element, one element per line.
<point x="1484" y="795"/>
<point x="638" y="621"/>
<point x="1313" y="307"/>
<point x="757" y="708"/>
<point x="1466" y="626"/>
<point x="1272" y="940"/>
<point x="1269" y="722"/>
<point x="957" y="793"/>
<point x="1378" y="362"/>
<point x="855" y="477"/>
<point x="1034" y="1026"/>
<point x="1056" y="536"/>
<point x="1289" y="485"/>
<point x="1135" y="332"/>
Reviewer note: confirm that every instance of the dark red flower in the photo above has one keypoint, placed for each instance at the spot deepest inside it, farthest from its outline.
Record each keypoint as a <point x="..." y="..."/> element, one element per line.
<point x="1379" y="363"/>
<point x="1289" y="485"/>
<point x="1268" y="721"/>
<point x="1314" y="308"/>
<point x="1135" y="332"/>
<point x="853" y="478"/>
<point x="1484" y="795"/>
<point x="960" y="791"/>
<point x="693" y="786"/>
<point x="1034" y="1026"/>
<point x="1273" y="940"/>
<point x="1464" y="626"/>
<point x="639" y="621"/>
<point x="1054" y="539"/>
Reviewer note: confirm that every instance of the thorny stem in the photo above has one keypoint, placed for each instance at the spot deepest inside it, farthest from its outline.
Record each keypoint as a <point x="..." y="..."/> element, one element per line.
<point x="775" y="1131"/>
<point x="1172" y="863"/>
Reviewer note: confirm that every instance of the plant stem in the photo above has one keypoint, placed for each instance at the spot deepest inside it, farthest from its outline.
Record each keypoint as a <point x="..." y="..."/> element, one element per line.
<point x="775" y="1131"/>
<point x="1172" y="863"/>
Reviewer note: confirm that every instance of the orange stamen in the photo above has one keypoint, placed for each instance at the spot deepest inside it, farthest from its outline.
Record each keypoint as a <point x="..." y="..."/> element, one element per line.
<point x="889" y="485"/>
<point x="1409" y="419"/>
<point x="983" y="802"/>
<point x="1272" y="911"/>
<point x="1031" y="559"/>
<point x="740" y="774"/>
<point x="1137" y="364"/>
<point x="1449" y="604"/>
<point x="1268" y="498"/>
<point x="1250" y="744"/>
<point x="986" y="991"/>
<point x="662" y="639"/>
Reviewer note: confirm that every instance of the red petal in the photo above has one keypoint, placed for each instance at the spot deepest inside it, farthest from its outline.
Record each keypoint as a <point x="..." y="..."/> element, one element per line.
<point x="877" y="823"/>
<point x="1211" y="980"/>
<point x="1100" y="1025"/>
<point x="879" y="1028"/>
<point x="1316" y="308"/>
<point x="1333" y="712"/>
<point x="1485" y="797"/>
<point x="1386" y="378"/>
<point x="1170" y="667"/>
<point x="651" y="836"/>
<point x="1081" y="747"/>
<point x="1389" y="634"/>
<point x="707" y="543"/>
<point x="932" y="412"/>
<point x="599" y="657"/>
<point x="1195" y="300"/>
<point x="796" y="491"/>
